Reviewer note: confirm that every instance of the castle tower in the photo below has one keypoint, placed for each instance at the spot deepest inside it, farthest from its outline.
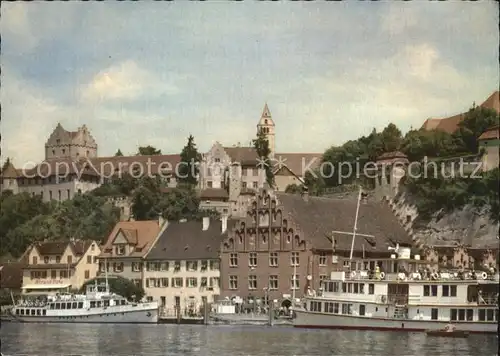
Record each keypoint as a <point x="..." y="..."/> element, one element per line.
<point x="266" y="124"/>
<point x="70" y="144"/>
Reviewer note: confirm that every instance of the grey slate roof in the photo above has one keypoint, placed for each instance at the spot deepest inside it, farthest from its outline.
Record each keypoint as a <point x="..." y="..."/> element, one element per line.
<point x="318" y="217"/>
<point x="187" y="241"/>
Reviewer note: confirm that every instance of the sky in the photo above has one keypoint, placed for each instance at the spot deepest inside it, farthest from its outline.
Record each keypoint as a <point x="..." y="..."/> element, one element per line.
<point x="152" y="73"/>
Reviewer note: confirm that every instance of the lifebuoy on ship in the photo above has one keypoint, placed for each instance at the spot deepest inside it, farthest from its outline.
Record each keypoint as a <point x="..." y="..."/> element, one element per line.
<point x="484" y="275"/>
<point x="383" y="299"/>
<point x="382" y="275"/>
<point x="353" y="274"/>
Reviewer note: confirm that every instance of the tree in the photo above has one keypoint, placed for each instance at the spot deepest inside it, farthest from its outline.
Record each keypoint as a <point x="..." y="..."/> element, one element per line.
<point x="148" y="151"/>
<point x="293" y="189"/>
<point x="118" y="285"/>
<point x="391" y="138"/>
<point x="261" y="145"/>
<point x="119" y="153"/>
<point x="5" y="164"/>
<point x="476" y="121"/>
<point x="189" y="164"/>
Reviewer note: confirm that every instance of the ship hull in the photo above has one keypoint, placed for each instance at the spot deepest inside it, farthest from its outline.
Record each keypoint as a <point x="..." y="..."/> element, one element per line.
<point x="307" y="319"/>
<point x="143" y="316"/>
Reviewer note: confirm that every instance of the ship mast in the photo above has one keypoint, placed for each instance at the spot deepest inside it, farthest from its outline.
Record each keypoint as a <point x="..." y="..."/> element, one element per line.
<point x="355" y="226"/>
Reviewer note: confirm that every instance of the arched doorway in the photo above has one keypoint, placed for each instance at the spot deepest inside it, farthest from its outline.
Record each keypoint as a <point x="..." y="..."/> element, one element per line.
<point x="286" y="303"/>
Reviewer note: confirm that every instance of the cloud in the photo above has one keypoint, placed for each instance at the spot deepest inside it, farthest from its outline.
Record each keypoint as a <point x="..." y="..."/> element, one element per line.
<point x="126" y="81"/>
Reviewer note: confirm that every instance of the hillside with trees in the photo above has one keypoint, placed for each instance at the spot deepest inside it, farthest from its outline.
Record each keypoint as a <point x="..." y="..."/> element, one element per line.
<point x="430" y="194"/>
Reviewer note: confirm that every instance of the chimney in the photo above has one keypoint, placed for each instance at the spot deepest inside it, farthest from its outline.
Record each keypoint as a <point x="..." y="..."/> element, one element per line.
<point x="224" y="223"/>
<point x="161" y="220"/>
<point x="305" y="194"/>
<point x="206" y="223"/>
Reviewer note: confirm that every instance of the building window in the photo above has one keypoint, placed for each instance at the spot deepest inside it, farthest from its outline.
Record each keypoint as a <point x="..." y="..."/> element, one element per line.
<point x="209" y="184"/>
<point x="35" y="260"/>
<point x="70" y="259"/>
<point x="453" y="291"/>
<point x="118" y="267"/>
<point x="192" y="282"/>
<point x="273" y="282"/>
<point x="214" y="265"/>
<point x="243" y="184"/>
<point x="233" y="282"/>
<point x="295" y="282"/>
<point x="255" y="185"/>
<point x="252" y="282"/>
<point x="87" y="274"/>
<point x="273" y="259"/>
<point x="322" y="259"/>
<point x="177" y="282"/>
<point x="233" y="260"/>
<point x="58" y="259"/>
<point x="294" y="259"/>
<point x="45" y="259"/>
<point x="89" y="259"/>
<point x="434" y="314"/>
<point x="217" y="160"/>
<point x="214" y="282"/>
<point x="252" y="259"/>
<point x="136" y="266"/>
<point x="53" y="274"/>
<point x="322" y="278"/>
<point x="120" y="250"/>
<point x="192" y="266"/>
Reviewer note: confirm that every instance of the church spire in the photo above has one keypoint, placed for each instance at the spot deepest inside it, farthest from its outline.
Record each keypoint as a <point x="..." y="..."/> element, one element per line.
<point x="266" y="113"/>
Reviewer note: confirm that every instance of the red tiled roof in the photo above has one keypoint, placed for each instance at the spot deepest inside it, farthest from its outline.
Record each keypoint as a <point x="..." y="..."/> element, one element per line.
<point x="491" y="134"/>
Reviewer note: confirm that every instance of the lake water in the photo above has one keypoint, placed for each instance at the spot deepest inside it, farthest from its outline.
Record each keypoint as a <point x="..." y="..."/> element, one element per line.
<point x="173" y="340"/>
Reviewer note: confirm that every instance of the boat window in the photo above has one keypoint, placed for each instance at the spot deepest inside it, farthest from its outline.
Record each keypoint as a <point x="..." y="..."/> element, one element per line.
<point x="349" y="288"/>
<point x="52" y="306"/>
<point x="356" y="288"/>
<point x="371" y="288"/>
<point x="68" y="306"/>
<point x="362" y="288"/>
<point x="123" y="302"/>
<point x="482" y="315"/>
<point x="453" y="314"/>
<point x="446" y="291"/>
<point x="63" y="305"/>
<point x="17" y="311"/>
<point x="434" y="313"/>
<point x="33" y="312"/>
<point x="427" y="290"/>
<point x="58" y="305"/>
<point x="106" y="303"/>
<point x="315" y="306"/>
<point x="330" y="307"/>
<point x="99" y="304"/>
<point x="38" y="312"/>
<point x="335" y="286"/>
<point x="361" y="309"/>
<point x="453" y="291"/>
<point x="344" y="287"/>
<point x="434" y="290"/>
<point x="496" y="314"/>
<point x="80" y="305"/>
<point x="461" y="314"/>
<point x="489" y="314"/>
<point x="470" y="314"/>
<point x="44" y="312"/>
<point x="22" y="311"/>
<point x="92" y="304"/>
<point x="75" y="305"/>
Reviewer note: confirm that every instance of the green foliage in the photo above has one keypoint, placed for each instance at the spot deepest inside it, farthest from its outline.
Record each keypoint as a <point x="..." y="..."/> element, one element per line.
<point x="123" y="185"/>
<point x="148" y="151"/>
<point x="25" y="219"/>
<point x="5" y="164"/>
<point x="149" y="201"/>
<point x="435" y="194"/>
<point x="119" y="153"/>
<point x="189" y="166"/>
<point x="261" y="145"/>
<point x="119" y="285"/>
<point x="476" y="121"/>
<point x="293" y="189"/>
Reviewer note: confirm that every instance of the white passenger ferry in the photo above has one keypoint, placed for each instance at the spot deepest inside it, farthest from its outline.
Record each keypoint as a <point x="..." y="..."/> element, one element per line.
<point x="97" y="305"/>
<point x="411" y="298"/>
<point x="404" y="302"/>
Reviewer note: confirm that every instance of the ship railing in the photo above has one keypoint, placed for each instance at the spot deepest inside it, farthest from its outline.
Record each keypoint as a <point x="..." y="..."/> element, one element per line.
<point x="417" y="276"/>
<point x="397" y="299"/>
<point x="488" y="300"/>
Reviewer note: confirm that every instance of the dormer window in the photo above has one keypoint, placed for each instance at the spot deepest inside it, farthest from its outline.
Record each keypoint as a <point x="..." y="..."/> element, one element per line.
<point x="58" y="259"/>
<point x="177" y="266"/>
<point x="120" y="250"/>
<point x="45" y="259"/>
<point x="58" y="141"/>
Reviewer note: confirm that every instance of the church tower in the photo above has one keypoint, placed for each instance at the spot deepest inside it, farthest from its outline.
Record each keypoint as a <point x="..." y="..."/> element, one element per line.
<point x="266" y="124"/>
